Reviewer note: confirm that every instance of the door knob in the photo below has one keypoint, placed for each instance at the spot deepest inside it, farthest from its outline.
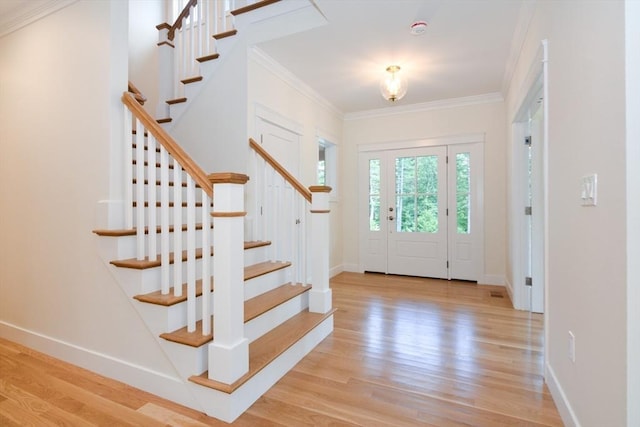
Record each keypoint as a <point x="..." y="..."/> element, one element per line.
<point x="390" y="218"/>
<point x="390" y="209"/>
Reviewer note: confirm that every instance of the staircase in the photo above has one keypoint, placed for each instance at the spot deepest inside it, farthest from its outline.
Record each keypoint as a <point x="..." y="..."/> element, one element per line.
<point x="232" y="316"/>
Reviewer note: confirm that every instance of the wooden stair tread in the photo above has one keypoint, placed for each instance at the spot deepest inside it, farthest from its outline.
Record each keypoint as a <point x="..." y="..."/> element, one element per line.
<point x="132" y="231"/>
<point x="165" y="120"/>
<point x="171" y="204"/>
<point x="262" y="303"/>
<point x="158" y="165"/>
<point x="263" y="268"/>
<point x="191" y="80"/>
<point x="225" y="34"/>
<point x="169" y="299"/>
<point x="253" y="6"/>
<point x="158" y="183"/>
<point x="252" y="308"/>
<point x="268" y="299"/>
<point x="176" y="101"/>
<point x="268" y="347"/>
<point x="208" y="57"/>
<point x="145" y="263"/>
<point x="193" y="339"/>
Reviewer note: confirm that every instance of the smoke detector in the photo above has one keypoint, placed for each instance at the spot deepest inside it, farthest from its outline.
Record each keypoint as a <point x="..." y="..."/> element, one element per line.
<point x="418" y="28"/>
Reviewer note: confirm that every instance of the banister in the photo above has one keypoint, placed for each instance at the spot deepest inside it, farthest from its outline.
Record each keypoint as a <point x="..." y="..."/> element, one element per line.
<point x="172" y="147"/>
<point x="136" y="93"/>
<point x="281" y="170"/>
<point x="178" y="24"/>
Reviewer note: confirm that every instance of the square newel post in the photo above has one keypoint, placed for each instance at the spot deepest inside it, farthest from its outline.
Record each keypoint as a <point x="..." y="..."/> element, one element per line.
<point x="165" y="69"/>
<point x="320" y="294"/>
<point x="229" y="351"/>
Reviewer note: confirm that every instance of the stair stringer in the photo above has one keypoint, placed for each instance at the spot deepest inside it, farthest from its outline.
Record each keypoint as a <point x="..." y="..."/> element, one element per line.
<point x="229" y="406"/>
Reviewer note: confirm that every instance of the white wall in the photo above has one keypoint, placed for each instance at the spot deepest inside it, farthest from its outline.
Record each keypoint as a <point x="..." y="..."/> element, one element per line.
<point x="60" y="84"/>
<point x="587" y="246"/>
<point x="144" y="15"/>
<point x="213" y="130"/>
<point x="284" y="96"/>
<point x="485" y="118"/>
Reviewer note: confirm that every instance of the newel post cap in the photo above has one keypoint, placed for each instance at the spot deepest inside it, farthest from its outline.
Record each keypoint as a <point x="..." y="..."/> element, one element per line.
<point x="228" y="178"/>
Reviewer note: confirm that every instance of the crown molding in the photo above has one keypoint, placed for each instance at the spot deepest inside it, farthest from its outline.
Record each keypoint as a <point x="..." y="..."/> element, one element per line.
<point x="527" y="10"/>
<point x="488" y="98"/>
<point x="31" y="12"/>
<point x="262" y="58"/>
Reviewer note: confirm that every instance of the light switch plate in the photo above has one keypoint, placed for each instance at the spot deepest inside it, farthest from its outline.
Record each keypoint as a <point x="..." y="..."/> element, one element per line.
<point x="589" y="190"/>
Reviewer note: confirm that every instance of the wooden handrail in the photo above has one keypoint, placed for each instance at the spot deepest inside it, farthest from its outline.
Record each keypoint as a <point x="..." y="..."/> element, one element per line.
<point x="178" y="24"/>
<point x="172" y="147"/>
<point x="304" y="191"/>
<point x="136" y="93"/>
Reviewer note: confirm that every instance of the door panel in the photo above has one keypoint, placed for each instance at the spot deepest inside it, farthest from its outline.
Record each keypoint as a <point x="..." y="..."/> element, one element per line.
<point x="465" y="172"/>
<point x="417" y="234"/>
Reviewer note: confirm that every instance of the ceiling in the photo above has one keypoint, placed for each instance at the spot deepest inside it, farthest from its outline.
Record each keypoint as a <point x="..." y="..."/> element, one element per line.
<point x="464" y="52"/>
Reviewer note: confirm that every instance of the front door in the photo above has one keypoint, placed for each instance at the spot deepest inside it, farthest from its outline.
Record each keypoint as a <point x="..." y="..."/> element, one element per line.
<point x="418" y="212"/>
<point x="407" y="202"/>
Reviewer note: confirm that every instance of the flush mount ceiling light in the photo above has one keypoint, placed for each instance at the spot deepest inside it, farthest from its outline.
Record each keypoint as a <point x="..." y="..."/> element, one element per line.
<point x="393" y="85"/>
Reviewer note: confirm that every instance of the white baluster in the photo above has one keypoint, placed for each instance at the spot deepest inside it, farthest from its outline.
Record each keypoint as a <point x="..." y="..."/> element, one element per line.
<point x="151" y="196"/>
<point x="184" y="49"/>
<point x="164" y="218"/>
<point x="177" y="229"/>
<point x="191" y="62"/>
<point x="304" y="230"/>
<point x="140" y="190"/>
<point x="191" y="255"/>
<point x="206" y="264"/>
<point x="206" y="29"/>
<point x="128" y="167"/>
<point x="177" y="63"/>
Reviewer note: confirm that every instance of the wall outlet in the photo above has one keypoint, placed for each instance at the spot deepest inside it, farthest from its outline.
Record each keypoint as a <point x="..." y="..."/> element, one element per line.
<point x="572" y="347"/>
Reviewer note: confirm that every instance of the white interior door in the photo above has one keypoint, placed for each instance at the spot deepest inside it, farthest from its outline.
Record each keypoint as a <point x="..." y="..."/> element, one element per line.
<point x="536" y="219"/>
<point x="286" y="215"/>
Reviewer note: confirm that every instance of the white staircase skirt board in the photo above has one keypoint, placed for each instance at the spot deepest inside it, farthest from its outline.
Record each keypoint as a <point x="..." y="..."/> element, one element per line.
<point x="228" y="407"/>
<point x="264" y="323"/>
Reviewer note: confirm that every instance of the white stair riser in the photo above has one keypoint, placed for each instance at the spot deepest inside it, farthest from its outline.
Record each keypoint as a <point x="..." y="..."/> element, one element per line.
<point x="171" y="215"/>
<point x="183" y="192"/>
<point x="186" y="359"/>
<point x="163" y="319"/>
<point x="127" y="244"/>
<point x="149" y="280"/>
<point x="228" y="407"/>
<point x="262" y="324"/>
<point x="264" y="283"/>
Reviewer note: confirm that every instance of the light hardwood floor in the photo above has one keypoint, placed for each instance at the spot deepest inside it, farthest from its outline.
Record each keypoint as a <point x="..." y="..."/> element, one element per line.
<point x="404" y="352"/>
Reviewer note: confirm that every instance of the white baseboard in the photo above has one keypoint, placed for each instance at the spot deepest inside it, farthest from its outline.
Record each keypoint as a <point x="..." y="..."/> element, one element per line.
<point x="351" y="268"/>
<point x="158" y="383"/>
<point x="509" y="288"/>
<point x="560" y="398"/>
<point x="492" y="279"/>
<point x="334" y="271"/>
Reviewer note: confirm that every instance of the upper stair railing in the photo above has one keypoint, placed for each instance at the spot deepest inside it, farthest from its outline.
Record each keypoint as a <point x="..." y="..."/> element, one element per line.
<point x="164" y="190"/>
<point x="191" y="40"/>
<point x="295" y="219"/>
